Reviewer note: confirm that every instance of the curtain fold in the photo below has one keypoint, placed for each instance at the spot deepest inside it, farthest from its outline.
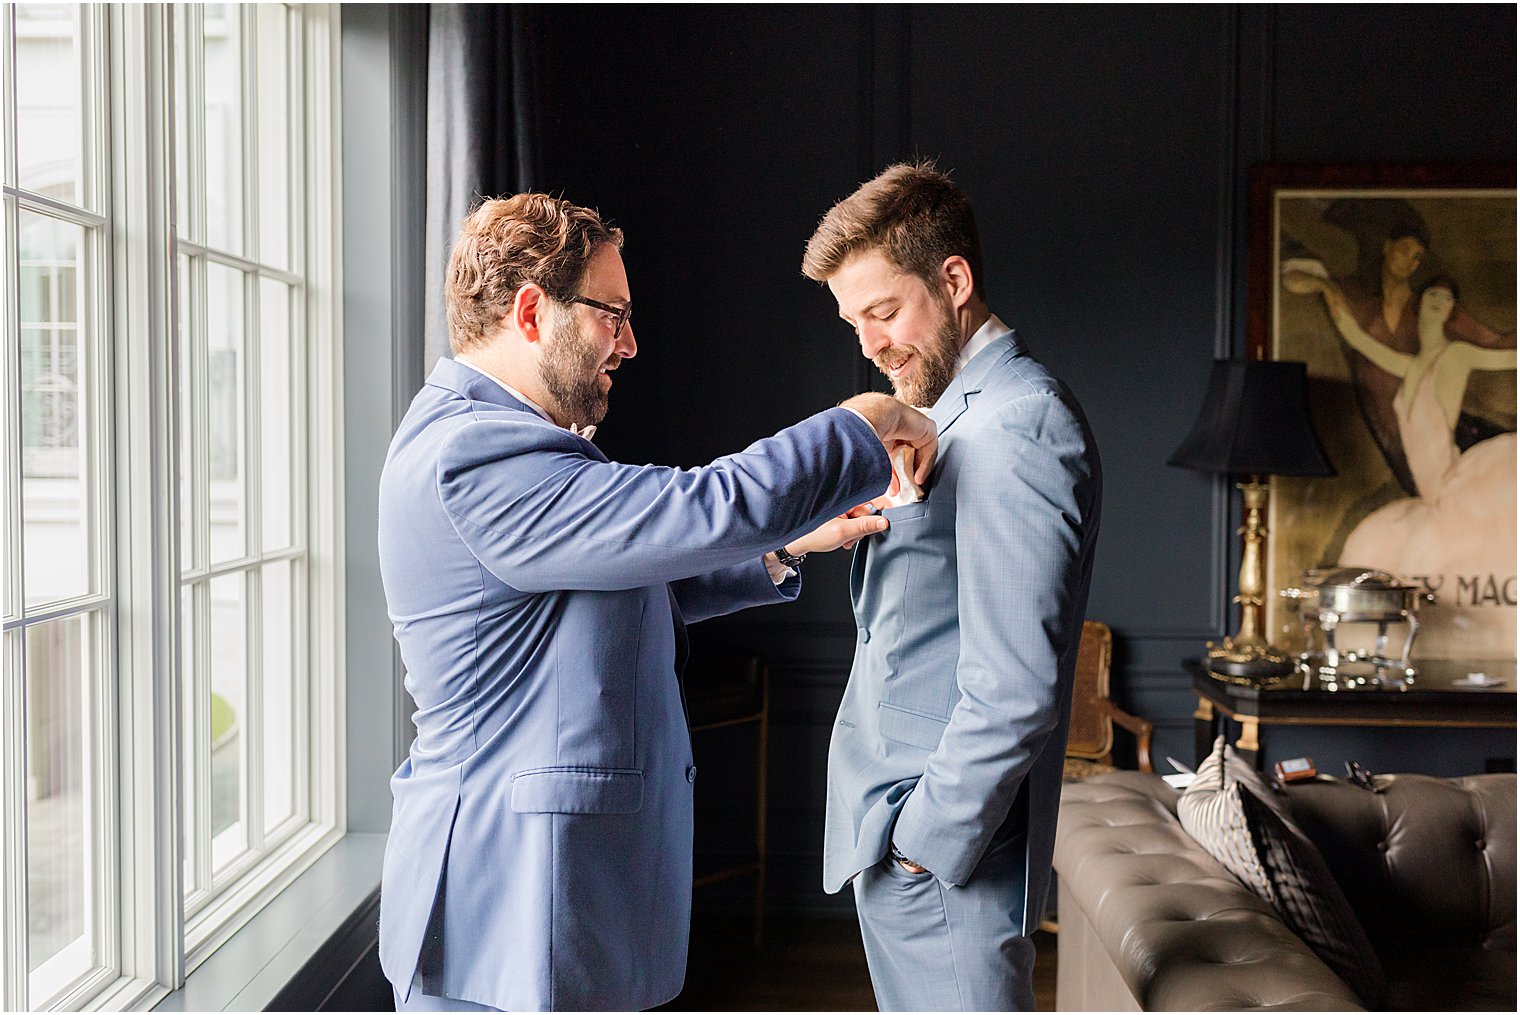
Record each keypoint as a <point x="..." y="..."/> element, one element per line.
<point x="482" y="126"/>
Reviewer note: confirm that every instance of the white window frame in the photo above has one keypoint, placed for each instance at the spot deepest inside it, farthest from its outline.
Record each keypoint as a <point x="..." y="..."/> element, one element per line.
<point x="238" y="891"/>
<point x="92" y="213"/>
<point x="147" y="943"/>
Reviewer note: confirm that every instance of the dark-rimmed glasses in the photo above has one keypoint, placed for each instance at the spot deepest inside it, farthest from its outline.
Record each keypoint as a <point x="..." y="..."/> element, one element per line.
<point x="620" y="313"/>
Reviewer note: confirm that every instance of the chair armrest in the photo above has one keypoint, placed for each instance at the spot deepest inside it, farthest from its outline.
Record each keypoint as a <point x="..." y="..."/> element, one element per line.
<point x="1141" y="728"/>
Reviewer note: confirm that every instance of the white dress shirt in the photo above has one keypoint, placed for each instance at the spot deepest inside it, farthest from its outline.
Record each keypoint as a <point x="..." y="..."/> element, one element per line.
<point x="524" y="399"/>
<point x="989" y="330"/>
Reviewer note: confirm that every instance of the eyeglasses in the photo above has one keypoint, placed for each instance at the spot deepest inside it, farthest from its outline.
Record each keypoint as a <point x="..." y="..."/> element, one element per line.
<point x="620" y="313"/>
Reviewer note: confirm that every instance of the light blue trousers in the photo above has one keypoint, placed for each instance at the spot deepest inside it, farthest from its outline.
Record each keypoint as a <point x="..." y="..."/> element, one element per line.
<point x="933" y="948"/>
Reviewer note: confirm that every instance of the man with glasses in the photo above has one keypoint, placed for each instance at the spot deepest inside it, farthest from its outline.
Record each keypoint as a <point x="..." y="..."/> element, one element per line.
<point x="540" y="848"/>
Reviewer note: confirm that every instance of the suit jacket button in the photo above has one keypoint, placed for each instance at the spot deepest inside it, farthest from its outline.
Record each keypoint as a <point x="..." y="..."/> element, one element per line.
<point x="691" y="774"/>
<point x="865" y="634"/>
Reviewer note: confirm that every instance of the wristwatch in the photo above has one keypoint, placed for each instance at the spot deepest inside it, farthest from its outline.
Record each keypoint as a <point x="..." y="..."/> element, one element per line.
<point x="902" y="857"/>
<point x="791" y="560"/>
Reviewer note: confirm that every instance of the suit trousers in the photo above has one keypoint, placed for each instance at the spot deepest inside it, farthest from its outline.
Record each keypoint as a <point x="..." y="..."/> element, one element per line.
<point x="931" y="947"/>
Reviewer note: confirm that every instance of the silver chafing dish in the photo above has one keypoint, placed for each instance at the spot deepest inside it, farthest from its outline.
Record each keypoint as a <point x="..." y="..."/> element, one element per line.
<point x="1329" y="597"/>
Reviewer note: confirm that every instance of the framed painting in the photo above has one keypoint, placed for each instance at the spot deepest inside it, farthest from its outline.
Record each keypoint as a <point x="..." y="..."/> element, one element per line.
<point x="1396" y="285"/>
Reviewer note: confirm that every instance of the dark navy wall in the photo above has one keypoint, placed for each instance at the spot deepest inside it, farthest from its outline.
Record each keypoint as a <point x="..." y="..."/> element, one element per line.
<point x="1105" y="149"/>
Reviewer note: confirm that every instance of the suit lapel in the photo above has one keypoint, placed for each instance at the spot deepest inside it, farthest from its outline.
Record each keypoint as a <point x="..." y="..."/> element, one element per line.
<point x="957" y="397"/>
<point x="951" y="405"/>
<point x="858" y="571"/>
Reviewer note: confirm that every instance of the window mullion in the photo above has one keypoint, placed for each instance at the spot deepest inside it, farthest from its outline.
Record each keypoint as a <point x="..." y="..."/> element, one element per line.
<point x="9" y="171"/>
<point x="145" y="708"/>
<point x="11" y="556"/>
<point x="253" y="682"/>
<point x="323" y="790"/>
<point x="108" y="765"/>
<point x="13" y="922"/>
<point x="199" y="824"/>
<point x="13" y="908"/>
<point x="196" y="732"/>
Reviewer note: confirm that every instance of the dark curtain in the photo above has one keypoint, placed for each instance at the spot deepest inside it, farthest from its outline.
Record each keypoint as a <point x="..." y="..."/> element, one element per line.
<point x="481" y="129"/>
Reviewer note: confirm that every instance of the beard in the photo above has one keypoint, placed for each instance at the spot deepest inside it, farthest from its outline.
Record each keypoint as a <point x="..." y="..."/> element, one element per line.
<point x="570" y="370"/>
<point x="922" y="384"/>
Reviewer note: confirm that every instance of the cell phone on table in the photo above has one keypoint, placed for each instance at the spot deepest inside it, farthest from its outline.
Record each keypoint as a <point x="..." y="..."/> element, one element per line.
<point x="1295" y="769"/>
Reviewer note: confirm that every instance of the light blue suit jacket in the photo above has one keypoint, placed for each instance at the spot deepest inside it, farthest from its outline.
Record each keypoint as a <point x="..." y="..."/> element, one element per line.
<point x="540" y="848"/>
<point x="970" y="609"/>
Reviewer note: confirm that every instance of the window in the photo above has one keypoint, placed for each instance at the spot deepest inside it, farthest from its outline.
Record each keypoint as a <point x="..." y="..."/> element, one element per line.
<point x="168" y="735"/>
<point x="240" y="346"/>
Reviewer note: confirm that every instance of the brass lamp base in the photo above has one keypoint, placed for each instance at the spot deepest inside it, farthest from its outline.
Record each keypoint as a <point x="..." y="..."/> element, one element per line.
<point x="1247" y="658"/>
<point x="1250" y="664"/>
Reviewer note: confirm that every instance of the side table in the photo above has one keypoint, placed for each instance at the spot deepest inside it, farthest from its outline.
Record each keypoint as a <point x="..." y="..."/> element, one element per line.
<point x="1440" y="697"/>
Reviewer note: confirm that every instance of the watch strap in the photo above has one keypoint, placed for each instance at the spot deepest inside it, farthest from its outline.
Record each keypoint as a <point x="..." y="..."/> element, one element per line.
<point x="792" y="560"/>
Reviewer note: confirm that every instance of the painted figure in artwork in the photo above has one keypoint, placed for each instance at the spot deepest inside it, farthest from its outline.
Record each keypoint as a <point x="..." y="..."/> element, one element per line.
<point x="1460" y="521"/>
<point x="1379" y="301"/>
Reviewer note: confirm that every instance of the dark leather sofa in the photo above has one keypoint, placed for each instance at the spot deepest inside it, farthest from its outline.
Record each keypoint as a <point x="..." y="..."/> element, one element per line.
<point x="1150" y="921"/>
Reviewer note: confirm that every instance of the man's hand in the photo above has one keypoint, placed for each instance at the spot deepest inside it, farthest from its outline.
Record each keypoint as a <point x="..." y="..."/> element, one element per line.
<point x="844" y="531"/>
<point x="896" y="423"/>
<point x="903" y="862"/>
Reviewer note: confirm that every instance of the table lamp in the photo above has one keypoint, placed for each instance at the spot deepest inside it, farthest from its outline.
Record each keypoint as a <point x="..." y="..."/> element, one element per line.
<point x="1254" y="422"/>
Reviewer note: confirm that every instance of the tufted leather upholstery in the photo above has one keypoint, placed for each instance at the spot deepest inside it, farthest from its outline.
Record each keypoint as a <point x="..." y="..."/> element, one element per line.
<point x="1440" y="848"/>
<point x="1428" y="865"/>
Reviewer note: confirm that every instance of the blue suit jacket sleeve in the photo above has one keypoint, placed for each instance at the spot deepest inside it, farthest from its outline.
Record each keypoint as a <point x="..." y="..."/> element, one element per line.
<point x="540" y="514"/>
<point x="1023" y="503"/>
<point x="730" y="589"/>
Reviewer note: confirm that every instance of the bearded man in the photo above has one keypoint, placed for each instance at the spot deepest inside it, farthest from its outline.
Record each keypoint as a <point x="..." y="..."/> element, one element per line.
<point x="539" y="856"/>
<point x="945" y="764"/>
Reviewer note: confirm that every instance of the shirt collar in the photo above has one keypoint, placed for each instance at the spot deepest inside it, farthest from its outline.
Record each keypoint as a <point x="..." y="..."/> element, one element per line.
<point x="524" y="399"/>
<point x="991" y="329"/>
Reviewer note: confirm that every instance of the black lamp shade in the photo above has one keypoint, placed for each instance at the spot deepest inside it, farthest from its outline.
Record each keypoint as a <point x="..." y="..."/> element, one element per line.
<point x="1255" y="420"/>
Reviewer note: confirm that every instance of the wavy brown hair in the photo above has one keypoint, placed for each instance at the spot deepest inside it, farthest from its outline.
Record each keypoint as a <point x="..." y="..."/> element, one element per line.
<point x="507" y="242"/>
<point x="912" y="213"/>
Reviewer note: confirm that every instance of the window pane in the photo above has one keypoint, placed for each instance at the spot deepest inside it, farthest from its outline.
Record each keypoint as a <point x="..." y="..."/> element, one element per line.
<point x="278" y="769"/>
<point x="274" y="127"/>
<point x="224" y="369"/>
<point x="277" y="413"/>
<point x="49" y="121"/>
<point x="229" y="686"/>
<point x="224" y="126"/>
<point x="56" y="411"/>
<point x="183" y="88"/>
<point x="61" y="660"/>
<point x="195" y="716"/>
<point x="190" y="435"/>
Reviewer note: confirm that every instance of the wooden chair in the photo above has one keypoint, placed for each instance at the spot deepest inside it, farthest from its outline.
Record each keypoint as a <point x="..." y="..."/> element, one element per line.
<point x="1090" y="736"/>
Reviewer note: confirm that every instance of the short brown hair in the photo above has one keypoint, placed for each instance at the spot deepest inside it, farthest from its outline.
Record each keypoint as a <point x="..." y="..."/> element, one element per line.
<point x="507" y="242"/>
<point x="912" y="213"/>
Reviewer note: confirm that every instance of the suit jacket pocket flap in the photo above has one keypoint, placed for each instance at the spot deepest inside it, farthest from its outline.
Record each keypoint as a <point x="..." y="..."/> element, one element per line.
<point x="913" y="728"/>
<point x="905" y="512"/>
<point x="578" y="791"/>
